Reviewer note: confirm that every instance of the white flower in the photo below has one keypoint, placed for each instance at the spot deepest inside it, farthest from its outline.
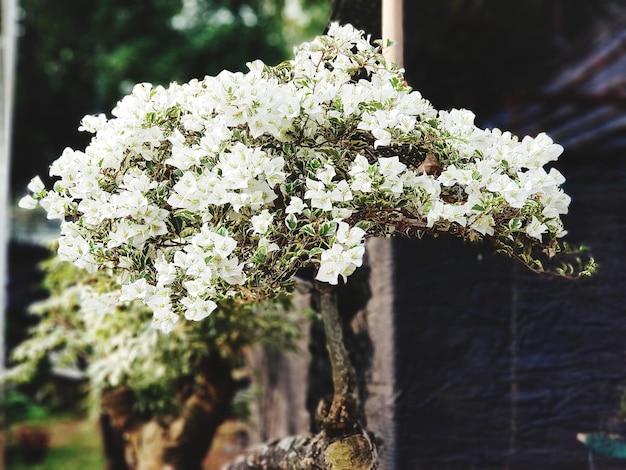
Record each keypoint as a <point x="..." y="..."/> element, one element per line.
<point x="349" y="236"/>
<point x="382" y="136"/>
<point x="535" y="228"/>
<point x="160" y="303"/>
<point x="265" y="246"/>
<point x="165" y="321"/>
<point x="391" y="166"/>
<point x="434" y="213"/>
<point x="220" y="245"/>
<point x="327" y="174"/>
<point x="361" y="182"/>
<point x="296" y="205"/>
<point x="55" y="204"/>
<point x="341" y="192"/>
<point x="140" y="289"/>
<point x="337" y="261"/>
<point x="540" y="150"/>
<point x="75" y="248"/>
<point x="261" y="223"/>
<point x="360" y="165"/>
<point x="453" y="175"/>
<point x="318" y="195"/>
<point x="231" y="270"/>
<point x="483" y="224"/>
<point x="27" y="202"/>
<point x="197" y="309"/>
<point x="91" y="123"/>
<point x="36" y="185"/>
<point x="208" y="186"/>
<point x="166" y="272"/>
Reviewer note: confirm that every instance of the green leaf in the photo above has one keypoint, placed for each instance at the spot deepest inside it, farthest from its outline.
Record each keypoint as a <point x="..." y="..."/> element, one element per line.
<point x="314" y="252"/>
<point x="308" y="229"/>
<point x="291" y="222"/>
<point x="515" y="223"/>
<point x="259" y="258"/>
<point x="327" y="228"/>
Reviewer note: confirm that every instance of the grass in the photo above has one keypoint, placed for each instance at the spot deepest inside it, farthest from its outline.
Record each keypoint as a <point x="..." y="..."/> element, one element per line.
<point x="75" y="444"/>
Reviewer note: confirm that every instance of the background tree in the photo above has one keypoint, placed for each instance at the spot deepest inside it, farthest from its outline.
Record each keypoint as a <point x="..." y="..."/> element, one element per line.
<point x="165" y="394"/>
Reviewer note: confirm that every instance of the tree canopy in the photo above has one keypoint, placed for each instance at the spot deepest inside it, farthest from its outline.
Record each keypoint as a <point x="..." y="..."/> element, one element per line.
<point x="221" y="189"/>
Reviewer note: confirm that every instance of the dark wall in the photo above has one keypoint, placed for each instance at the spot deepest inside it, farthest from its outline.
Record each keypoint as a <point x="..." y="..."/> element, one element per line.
<point x="496" y="367"/>
<point x="499" y="368"/>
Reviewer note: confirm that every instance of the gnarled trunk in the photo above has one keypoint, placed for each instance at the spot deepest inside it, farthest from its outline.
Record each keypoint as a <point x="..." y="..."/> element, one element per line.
<point x="174" y="442"/>
<point x="342" y="443"/>
<point x="313" y="452"/>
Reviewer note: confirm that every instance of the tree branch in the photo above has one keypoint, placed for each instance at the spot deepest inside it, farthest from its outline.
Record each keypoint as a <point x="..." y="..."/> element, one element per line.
<point x="342" y="415"/>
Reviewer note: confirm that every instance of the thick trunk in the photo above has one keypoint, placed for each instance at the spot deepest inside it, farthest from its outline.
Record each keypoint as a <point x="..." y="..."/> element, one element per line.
<point x="176" y="442"/>
<point x="312" y="452"/>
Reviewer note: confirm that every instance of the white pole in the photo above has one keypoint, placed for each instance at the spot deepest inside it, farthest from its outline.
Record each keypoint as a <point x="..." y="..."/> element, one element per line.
<point x="392" y="29"/>
<point x="7" y="73"/>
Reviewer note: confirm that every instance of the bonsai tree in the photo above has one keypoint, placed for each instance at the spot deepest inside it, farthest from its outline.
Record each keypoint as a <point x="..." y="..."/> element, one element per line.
<point x="219" y="190"/>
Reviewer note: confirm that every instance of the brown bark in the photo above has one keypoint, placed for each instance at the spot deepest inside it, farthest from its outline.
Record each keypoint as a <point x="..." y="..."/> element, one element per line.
<point x="312" y="452"/>
<point x="176" y="442"/>
<point x="342" y="415"/>
<point x="112" y="445"/>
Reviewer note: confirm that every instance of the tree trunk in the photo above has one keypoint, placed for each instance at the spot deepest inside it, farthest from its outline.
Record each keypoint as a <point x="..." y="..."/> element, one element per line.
<point x="342" y="415"/>
<point x="112" y="445"/>
<point x="174" y="442"/>
<point x="312" y="452"/>
<point x="342" y="444"/>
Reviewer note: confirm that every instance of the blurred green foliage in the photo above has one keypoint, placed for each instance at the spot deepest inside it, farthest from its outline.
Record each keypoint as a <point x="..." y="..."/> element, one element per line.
<point x="79" y="57"/>
<point x="122" y="347"/>
<point x="17" y="407"/>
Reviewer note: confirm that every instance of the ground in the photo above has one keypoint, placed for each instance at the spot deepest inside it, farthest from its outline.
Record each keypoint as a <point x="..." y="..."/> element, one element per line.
<point x="75" y="445"/>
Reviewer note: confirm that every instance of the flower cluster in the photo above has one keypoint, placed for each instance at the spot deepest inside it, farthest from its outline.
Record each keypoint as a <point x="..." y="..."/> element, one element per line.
<point x="223" y="188"/>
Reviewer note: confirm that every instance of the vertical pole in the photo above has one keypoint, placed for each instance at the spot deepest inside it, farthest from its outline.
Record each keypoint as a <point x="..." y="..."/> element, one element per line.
<point x="392" y="23"/>
<point x="7" y="71"/>
<point x="380" y="407"/>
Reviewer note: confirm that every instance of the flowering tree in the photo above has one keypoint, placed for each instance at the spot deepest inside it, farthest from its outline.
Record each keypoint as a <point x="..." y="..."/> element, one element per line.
<point x="220" y="190"/>
<point x="157" y="390"/>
